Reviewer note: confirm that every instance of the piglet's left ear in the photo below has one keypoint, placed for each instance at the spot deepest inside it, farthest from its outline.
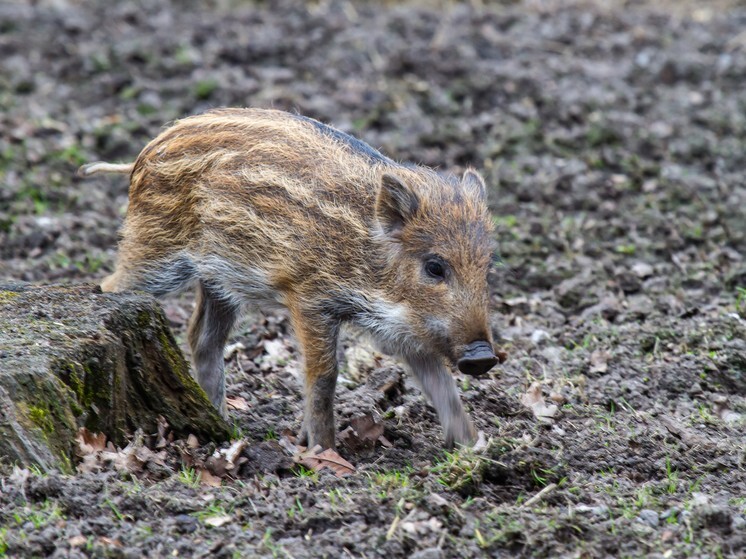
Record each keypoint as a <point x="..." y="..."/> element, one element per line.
<point x="473" y="181"/>
<point x="396" y="205"/>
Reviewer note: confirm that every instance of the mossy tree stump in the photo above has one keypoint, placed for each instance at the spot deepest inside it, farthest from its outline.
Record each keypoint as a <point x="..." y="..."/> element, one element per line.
<point x="71" y="356"/>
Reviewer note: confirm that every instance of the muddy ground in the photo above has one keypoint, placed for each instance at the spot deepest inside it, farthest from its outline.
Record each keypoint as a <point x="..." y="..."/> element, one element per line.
<point x="612" y="136"/>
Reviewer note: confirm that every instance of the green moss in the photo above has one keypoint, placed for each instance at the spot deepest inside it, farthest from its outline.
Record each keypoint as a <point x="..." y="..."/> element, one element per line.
<point x="143" y="319"/>
<point x="75" y="382"/>
<point x="91" y="392"/>
<point x="174" y="357"/>
<point x="41" y="418"/>
<point x="180" y="368"/>
<point x="7" y="296"/>
<point x="46" y="410"/>
<point x="76" y="408"/>
<point x="65" y="464"/>
<point x="88" y="381"/>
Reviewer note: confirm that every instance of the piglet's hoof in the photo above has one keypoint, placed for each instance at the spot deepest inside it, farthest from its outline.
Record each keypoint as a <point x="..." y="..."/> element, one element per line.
<point x="460" y="432"/>
<point x="311" y="438"/>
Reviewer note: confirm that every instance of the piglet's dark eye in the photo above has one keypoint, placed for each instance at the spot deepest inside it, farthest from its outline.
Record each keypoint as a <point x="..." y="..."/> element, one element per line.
<point x="434" y="269"/>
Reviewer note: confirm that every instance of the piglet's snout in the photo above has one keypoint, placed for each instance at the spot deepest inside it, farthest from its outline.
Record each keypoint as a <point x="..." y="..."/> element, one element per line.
<point x="478" y="359"/>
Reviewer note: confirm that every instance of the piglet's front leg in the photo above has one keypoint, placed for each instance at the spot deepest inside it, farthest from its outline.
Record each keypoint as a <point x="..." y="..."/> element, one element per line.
<point x="318" y="340"/>
<point x="439" y="386"/>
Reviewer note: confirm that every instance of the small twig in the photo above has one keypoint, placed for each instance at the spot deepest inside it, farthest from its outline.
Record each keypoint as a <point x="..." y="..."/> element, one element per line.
<point x="540" y="495"/>
<point x="392" y="528"/>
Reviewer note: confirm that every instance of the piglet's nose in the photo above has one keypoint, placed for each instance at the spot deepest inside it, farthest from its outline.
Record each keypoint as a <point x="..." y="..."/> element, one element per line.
<point x="478" y="359"/>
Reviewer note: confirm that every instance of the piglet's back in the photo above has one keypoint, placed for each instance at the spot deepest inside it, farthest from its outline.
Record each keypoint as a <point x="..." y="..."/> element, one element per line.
<point x="243" y="149"/>
<point x="258" y="186"/>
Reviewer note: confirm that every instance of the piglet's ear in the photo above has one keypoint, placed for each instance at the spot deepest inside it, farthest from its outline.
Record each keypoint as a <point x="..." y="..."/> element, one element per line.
<point x="473" y="182"/>
<point x="396" y="204"/>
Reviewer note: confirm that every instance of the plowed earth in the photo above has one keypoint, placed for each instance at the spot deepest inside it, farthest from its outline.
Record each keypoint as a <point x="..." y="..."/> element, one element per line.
<point x="612" y="136"/>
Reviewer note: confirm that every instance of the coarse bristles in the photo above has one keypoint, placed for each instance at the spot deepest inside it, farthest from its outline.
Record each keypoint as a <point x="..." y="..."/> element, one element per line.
<point x="263" y="207"/>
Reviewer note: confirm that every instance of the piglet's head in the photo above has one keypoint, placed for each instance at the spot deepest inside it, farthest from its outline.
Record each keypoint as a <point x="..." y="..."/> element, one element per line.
<point x="438" y="249"/>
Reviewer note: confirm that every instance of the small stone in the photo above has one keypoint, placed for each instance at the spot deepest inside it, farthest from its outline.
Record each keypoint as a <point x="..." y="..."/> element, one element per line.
<point x="552" y="354"/>
<point x="77" y="541"/>
<point x="538" y="336"/>
<point x="649" y="517"/>
<point x="642" y="270"/>
<point x="699" y="499"/>
<point x="717" y="518"/>
<point x="437" y="501"/>
<point x="132" y="553"/>
<point x="601" y="510"/>
<point x="628" y="282"/>
<point x="186" y="524"/>
<point x="429" y="553"/>
<point x="696" y="388"/>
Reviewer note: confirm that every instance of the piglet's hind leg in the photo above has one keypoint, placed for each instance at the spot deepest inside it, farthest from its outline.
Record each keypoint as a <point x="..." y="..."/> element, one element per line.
<point x="209" y="328"/>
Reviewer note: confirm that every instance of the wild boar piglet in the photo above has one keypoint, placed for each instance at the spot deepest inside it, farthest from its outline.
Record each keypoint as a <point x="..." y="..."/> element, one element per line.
<point x="271" y="209"/>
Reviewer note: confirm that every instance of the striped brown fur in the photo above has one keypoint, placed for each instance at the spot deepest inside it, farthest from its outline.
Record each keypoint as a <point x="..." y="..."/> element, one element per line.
<point x="262" y="207"/>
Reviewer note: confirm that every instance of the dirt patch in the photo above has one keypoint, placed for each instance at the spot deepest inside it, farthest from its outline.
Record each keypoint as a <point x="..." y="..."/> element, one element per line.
<point x="612" y="136"/>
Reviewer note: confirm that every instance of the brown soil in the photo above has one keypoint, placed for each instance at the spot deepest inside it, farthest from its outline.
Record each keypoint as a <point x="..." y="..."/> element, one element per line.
<point x="613" y="137"/>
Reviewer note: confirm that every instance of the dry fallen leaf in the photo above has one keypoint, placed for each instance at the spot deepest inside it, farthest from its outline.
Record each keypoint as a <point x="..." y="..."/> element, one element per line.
<point x="422" y="527"/>
<point x="231" y="349"/>
<point x="363" y="432"/>
<point x="19" y="476"/>
<point x="237" y="403"/>
<point x="132" y="459"/>
<point x="534" y="400"/>
<point x="437" y="501"/>
<point x="688" y="437"/>
<point x="502" y="356"/>
<point x="88" y="442"/>
<point x="144" y="454"/>
<point x="217" y="521"/>
<point x="287" y="441"/>
<point x="163" y="433"/>
<point x="233" y="452"/>
<point x="389" y="382"/>
<point x="277" y="353"/>
<point x="192" y="442"/>
<point x="385" y="442"/>
<point x="226" y="460"/>
<point x="206" y="478"/>
<point x="481" y="444"/>
<point x="724" y="412"/>
<point x="600" y="361"/>
<point x="77" y="541"/>
<point x="361" y="359"/>
<point x="316" y="460"/>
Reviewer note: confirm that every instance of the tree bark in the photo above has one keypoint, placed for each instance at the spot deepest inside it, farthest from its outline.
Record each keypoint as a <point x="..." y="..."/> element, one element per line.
<point x="72" y="356"/>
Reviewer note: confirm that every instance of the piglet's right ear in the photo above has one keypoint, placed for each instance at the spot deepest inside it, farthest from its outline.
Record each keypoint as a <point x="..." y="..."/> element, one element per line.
<point x="396" y="204"/>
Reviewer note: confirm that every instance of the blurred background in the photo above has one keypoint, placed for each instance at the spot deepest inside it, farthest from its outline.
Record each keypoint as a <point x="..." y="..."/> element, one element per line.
<point x="611" y="133"/>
